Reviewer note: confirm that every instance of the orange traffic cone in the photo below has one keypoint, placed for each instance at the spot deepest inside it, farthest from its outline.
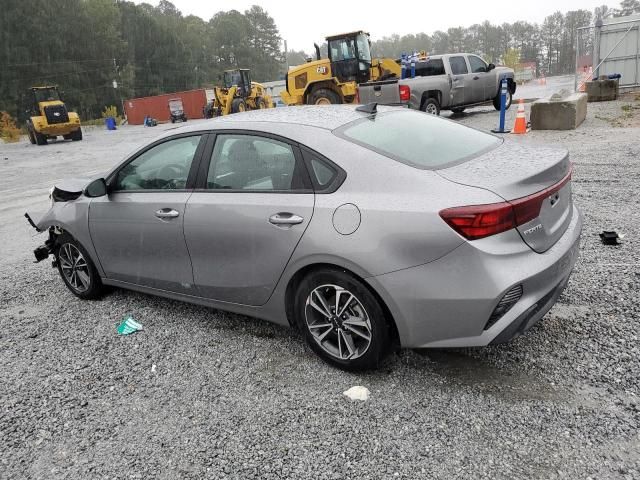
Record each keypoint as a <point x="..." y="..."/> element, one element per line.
<point x="520" y="126"/>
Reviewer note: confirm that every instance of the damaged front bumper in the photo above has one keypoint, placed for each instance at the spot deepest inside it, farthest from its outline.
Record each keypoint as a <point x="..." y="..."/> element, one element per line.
<point x="43" y="251"/>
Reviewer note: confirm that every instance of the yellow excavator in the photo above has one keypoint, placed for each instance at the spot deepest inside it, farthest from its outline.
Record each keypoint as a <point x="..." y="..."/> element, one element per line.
<point x="49" y="117"/>
<point x="334" y="79"/>
<point x="238" y="94"/>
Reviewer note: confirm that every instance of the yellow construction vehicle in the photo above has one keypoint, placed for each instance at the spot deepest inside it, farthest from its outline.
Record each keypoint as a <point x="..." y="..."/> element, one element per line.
<point x="334" y="79"/>
<point x="239" y="94"/>
<point x="50" y="117"/>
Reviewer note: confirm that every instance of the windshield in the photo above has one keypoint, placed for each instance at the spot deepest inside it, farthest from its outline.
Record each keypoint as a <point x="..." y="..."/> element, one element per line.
<point x="46" y="95"/>
<point x="345" y="48"/>
<point x="232" y="78"/>
<point x="363" y="48"/>
<point x="418" y="139"/>
<point x="175" y="104"/>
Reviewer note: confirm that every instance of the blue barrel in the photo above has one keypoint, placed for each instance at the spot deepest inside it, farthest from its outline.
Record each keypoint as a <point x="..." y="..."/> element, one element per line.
<point x="110" y="122"/>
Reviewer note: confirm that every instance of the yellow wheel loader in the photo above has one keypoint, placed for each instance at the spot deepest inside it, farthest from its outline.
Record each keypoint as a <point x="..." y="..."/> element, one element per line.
<point x="239" y="94"/>
<point x="334" y="79"/>
<point x="50" y="117"/>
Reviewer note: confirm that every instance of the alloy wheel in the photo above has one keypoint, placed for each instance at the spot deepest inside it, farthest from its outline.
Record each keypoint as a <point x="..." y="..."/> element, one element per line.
<point x="338" y="322"/>
<point x="432" y="109"/>
<point x="74" y="267"/>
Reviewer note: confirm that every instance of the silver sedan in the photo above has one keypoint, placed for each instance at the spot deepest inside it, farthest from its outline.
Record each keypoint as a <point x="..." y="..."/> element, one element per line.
<point x="365" y="228"/>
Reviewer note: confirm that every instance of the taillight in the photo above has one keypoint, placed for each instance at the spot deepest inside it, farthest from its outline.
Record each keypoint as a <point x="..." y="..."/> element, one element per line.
<point x="405" y="93"/>
<point x="479" y="221"/>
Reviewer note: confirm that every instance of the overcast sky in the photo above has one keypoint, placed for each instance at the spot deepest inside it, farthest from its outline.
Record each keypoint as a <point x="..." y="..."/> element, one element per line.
<point x="302" y="23"/>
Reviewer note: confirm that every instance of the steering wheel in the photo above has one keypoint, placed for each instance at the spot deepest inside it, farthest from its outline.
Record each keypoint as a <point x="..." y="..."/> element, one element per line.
<point x="171" y="172"/>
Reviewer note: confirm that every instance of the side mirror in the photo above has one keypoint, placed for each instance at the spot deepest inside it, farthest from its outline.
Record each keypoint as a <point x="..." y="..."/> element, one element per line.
<point x="490" y="67"/>
<point x="97" y="188"/>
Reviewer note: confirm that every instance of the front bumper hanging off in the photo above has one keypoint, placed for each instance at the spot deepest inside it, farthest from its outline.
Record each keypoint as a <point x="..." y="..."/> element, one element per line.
<point x="43" y="251"/>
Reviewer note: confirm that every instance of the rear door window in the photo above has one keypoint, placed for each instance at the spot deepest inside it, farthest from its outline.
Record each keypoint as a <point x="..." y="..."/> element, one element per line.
<point x="250" y="162"/>
<point x="430" y="68"/>
<point x="418" y="139"/>
<point x="458" y="65"/>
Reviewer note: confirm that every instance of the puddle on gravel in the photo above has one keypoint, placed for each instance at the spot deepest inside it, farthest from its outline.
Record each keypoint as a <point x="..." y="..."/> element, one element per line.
<point x="480" y="375"/>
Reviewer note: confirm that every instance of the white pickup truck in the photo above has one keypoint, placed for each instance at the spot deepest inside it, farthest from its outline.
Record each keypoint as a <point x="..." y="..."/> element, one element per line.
<point x="443" y="82"/>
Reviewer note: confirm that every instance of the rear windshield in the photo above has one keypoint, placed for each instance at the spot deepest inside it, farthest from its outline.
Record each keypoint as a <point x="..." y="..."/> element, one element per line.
<point x="418" y="139"/>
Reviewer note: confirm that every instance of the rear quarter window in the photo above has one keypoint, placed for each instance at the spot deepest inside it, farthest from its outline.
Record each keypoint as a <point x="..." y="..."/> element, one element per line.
<point x="418" y="139"/>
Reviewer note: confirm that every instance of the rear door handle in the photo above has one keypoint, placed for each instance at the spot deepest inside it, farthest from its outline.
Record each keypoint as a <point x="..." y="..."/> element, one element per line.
<point x="285" y="218"/>
<point x="167" y="213"/>
<point x="476" y="77"/>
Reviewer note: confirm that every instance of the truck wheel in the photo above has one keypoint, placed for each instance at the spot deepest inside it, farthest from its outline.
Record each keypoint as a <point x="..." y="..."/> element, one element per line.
<point x="77" y="135"/>
<point x="324" y="96"/>
<point x="40" y="138"/>
<point x="173" y="120"/>
<point x="260" y="103"/>
<point x="430" y="105"/>
<point x="496" y="101"/>
<point x="238" y="105"/>
<point x="32" y="138"/>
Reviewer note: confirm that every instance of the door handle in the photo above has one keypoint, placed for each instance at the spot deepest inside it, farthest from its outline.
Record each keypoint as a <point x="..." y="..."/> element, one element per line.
<point x="167" y="213"/>
<point x="476" y="77"/>
<point x="285" y="218"/>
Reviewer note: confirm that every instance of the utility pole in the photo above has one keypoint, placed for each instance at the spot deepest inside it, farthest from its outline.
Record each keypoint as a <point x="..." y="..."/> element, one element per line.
<point x="196" y="70"/>
<point x="116" y="70"/>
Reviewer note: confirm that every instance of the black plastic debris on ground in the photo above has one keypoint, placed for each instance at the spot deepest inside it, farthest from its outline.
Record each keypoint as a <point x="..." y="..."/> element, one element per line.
<point x="610" y="237"/>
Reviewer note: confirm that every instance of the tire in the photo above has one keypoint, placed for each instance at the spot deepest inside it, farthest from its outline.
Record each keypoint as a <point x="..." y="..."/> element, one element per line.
<point x="430" y="105"/>
<point x="238" y="105"/>
<point x="324" y="96"/>
<point x="173" y="120"/>
<point x="82" y="279"/>
<point x="30" y="134"/>
<point x="40" y="138"/>
<point x="496" y="100"/>
<point x="67" y="136"/>
<point x="458" y="109"/>
<point x="339" y="344"/>
<point x="184" y="118"/>
<point x="260" y="103"/>
<point x="77" y="135"/>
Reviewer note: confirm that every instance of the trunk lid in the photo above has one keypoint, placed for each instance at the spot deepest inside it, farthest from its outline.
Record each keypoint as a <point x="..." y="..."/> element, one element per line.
<point x="525" y="176"/>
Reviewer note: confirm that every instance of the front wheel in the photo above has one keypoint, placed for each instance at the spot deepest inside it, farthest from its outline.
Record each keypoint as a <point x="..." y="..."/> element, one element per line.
<point x="341" y="320"/>
<point x="77" y="270"/>
<point x="430" y="105"/>
<point x="496" y="101"/>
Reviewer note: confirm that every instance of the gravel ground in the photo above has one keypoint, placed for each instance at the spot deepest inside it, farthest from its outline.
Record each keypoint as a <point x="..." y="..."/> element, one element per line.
<point x="205" y="394"/>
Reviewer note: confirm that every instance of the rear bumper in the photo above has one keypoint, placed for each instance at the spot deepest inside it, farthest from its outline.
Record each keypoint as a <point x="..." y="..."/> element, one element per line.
<point x="447" y="303"/>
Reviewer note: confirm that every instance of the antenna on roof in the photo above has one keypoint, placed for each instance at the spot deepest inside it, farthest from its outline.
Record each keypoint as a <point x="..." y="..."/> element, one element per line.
<point x="370" y="108"/>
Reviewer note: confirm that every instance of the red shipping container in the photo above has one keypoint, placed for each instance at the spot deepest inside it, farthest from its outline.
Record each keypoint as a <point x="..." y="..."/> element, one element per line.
<point x="158" y="106"/>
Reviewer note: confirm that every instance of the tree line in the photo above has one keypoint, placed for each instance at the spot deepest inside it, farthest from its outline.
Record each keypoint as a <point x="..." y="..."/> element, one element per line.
<point x="551" y="45"/>
<point x="84" y="46"/>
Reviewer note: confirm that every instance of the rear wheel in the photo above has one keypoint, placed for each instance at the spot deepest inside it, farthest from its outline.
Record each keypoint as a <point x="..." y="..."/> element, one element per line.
<point x="324" y="96"/>
<point x="77" y="270"/>
<point x="40" y="138"/>
<point x="341" y="320"/>
<point x="238" y="105"/>
<point x="430" y="105"/>
<point x="77" y="135"/>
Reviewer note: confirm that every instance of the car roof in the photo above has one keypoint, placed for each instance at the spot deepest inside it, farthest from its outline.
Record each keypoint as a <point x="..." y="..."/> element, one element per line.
<point x="326" y="117"/>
